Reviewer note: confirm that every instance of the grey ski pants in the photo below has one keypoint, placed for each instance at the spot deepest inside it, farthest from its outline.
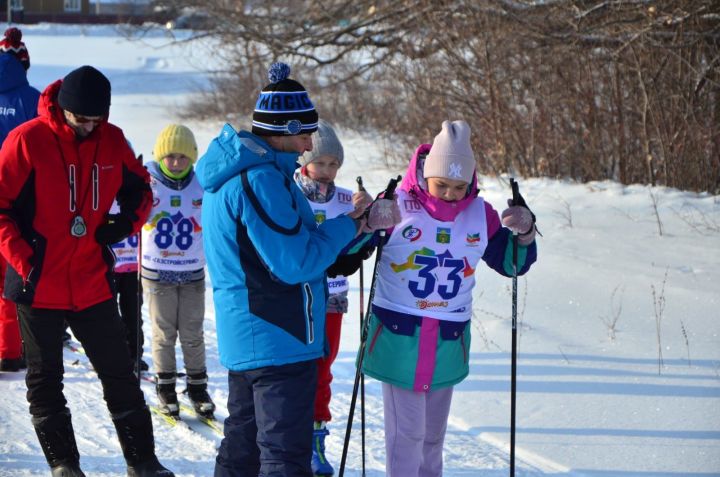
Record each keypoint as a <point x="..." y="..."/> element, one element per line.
<point x="176" y="310"/>
<point x="415" y="425"/>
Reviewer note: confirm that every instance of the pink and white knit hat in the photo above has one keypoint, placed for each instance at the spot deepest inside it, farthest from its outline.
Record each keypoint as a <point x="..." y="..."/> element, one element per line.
<point x="451" y="156"/>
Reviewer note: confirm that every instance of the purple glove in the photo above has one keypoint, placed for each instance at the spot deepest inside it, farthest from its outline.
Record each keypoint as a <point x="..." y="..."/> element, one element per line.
<point x="519" y="220"/>
<point x="383" y="214"/>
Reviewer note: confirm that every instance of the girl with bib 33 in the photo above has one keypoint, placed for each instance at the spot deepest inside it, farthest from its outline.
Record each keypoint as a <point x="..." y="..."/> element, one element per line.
<point x="419" y="336"/>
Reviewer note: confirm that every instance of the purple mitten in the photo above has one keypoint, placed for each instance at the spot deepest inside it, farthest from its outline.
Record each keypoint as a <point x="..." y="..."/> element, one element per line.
<point x="519" y="220"/>
<point x="383" y="214"/>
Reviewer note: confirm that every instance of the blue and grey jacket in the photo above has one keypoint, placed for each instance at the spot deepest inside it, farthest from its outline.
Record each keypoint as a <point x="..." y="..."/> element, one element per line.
<point x="266" y="255"/>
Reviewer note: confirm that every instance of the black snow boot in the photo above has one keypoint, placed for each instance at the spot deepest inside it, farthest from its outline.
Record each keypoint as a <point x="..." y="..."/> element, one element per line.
<point x="149" y="468"/>
<point x="57" y="439"/>
<point x="135" y="433"/>
<point x="167" y="398"/>
<point x="12" y="364"/>
<point x="197" y="392"/>
<point x="67" y="471"/>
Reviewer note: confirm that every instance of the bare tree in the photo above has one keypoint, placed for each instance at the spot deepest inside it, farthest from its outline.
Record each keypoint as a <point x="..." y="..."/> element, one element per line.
<point x="654" y="199"/>
<point x="659" y="308"/>
<point x="686" y="339"/>
<point x="611" y="320"/>
<point x="565" y="213"/>
<point x="627" y="90"/>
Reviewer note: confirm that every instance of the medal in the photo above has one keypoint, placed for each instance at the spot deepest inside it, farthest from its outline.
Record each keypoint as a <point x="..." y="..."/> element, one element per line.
<point x="78" y="227"/>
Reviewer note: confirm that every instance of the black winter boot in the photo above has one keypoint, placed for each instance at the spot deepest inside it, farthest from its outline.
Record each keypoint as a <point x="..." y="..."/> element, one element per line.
<point x="135" y="433"/>
<point x="197" y="392"/>
<point x="12" y="364"/>
<point x="149" y="468"/>
<point x="57" y="439"/>
<point x="67" y="471"/>
<point x="167" y="398"/>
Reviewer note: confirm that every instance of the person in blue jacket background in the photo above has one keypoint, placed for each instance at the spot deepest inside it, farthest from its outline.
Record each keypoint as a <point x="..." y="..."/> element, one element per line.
<point x="18" y="103"/>
<point x="18" y="100"/>
<point x="267" y="260"/>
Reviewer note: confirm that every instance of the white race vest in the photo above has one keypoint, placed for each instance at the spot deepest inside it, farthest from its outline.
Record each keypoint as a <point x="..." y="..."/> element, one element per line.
<point x="428" y="266"/>
<point x="172" y="236"/>
<point x="125" y="251"/>
<point x="341" y="203"/>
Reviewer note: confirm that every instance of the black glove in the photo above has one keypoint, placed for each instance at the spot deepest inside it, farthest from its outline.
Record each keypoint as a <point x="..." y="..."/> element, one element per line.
<point x="116" y="228"/>
<point x="346" y="265"/>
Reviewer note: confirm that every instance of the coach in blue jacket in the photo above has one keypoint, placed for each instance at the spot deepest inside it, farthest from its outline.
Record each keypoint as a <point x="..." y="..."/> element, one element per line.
<point x="267" y="260"/>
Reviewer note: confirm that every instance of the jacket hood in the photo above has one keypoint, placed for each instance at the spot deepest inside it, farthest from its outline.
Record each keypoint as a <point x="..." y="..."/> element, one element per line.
<point x="12" y="73"/>
<point x="415" y="184"/>
<point x="232" y="152"/>
<point x="50" y="110"/>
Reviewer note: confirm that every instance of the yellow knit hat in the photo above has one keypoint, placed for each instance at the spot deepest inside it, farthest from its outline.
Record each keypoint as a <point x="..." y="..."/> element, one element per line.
<point x="175" y="139"/>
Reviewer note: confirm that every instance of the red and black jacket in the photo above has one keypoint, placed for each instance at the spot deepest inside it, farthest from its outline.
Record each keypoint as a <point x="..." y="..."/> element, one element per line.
<point x="48" y="267"/>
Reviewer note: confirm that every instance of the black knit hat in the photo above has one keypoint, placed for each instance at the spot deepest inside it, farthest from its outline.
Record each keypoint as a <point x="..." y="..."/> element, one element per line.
<point x="85" y="91"/>
<point x="283" y="107"/>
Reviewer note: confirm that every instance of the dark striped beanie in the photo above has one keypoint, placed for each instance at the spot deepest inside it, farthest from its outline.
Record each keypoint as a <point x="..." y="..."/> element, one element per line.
<point x="283" y="107"/>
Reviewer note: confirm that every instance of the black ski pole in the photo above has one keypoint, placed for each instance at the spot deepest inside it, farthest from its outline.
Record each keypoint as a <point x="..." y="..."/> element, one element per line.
<point x="513" y="367"/>
<point x="138" y="345"/>
<point x="361" y="188"/>
<point x="389" y="192"/>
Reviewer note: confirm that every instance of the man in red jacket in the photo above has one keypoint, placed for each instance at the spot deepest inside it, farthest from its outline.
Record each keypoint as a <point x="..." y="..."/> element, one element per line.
<point x="59" y="175"/>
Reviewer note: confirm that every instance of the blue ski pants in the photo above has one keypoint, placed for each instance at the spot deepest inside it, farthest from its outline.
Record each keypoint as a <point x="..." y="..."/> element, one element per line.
<point x="269" y="430"/>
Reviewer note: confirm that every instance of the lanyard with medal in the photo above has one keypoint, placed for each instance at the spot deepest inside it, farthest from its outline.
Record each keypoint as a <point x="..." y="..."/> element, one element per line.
<point x="78" y="228"/>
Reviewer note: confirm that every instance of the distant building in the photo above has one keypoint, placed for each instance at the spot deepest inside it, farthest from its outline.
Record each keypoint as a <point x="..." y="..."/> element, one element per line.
<point x="76" y="11"/>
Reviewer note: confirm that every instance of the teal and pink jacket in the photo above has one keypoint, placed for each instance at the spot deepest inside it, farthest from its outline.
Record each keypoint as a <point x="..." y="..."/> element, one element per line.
<point x="417" y="352"/>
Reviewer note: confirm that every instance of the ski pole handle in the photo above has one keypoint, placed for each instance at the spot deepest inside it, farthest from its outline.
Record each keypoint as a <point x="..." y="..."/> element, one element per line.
<point x="388" y="193"/>
<point x="516" y="197"/>
<point x="392" y="185"/>
<point x="361" y="187"/>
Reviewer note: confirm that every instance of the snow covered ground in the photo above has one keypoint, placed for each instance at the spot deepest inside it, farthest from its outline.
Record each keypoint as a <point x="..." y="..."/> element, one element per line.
<point x="590" y="403"/>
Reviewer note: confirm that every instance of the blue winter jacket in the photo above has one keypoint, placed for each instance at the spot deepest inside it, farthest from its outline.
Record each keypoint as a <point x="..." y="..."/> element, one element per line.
<point x="18" y="100"/>
<point x="266" y="255"/>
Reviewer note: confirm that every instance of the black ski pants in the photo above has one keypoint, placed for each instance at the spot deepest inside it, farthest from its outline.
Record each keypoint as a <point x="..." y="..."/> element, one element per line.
<point x="102" y="335"/>
<point x="129" y="294"/>
<point x="269" y="430"/>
